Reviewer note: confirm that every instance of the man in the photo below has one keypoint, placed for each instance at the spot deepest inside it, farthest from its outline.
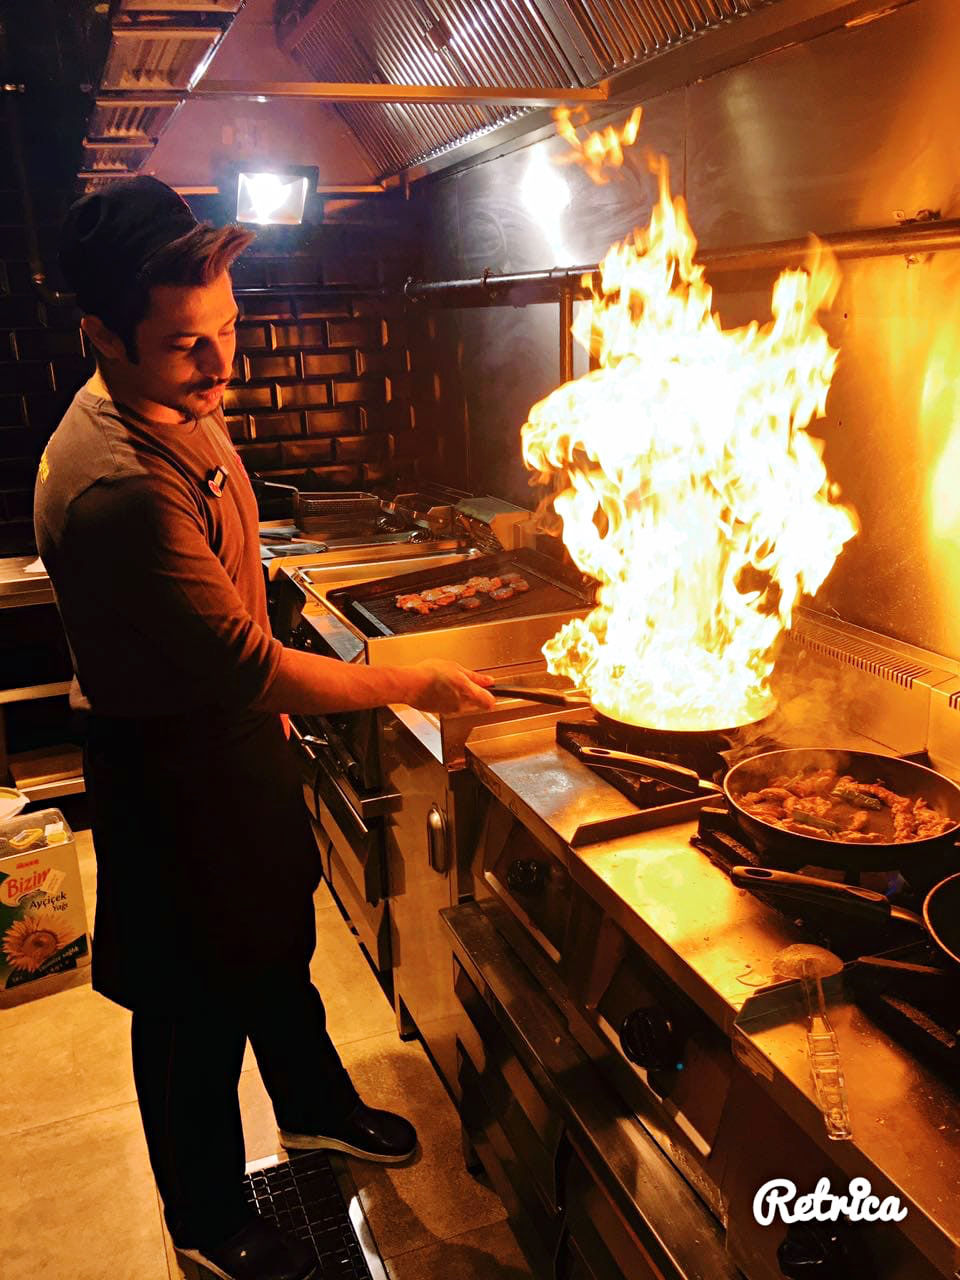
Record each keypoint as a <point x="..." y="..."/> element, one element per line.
<point x="206" y="864"/>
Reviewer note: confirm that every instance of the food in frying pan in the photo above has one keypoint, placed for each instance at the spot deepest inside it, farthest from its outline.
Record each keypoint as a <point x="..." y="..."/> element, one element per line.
<point x="465" y="594"/>
<point x="832" y="806"/>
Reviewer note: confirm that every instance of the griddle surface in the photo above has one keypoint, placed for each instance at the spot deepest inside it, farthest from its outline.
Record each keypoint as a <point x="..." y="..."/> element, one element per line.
<point x="372" y="605"/>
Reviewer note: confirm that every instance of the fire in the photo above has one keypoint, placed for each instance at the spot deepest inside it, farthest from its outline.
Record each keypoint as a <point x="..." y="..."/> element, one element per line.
<point x="691" y="489"/>
<point x="599" y="150"/>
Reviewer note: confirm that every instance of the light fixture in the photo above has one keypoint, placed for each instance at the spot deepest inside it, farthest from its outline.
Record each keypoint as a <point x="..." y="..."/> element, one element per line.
<point x="268" y="198"/>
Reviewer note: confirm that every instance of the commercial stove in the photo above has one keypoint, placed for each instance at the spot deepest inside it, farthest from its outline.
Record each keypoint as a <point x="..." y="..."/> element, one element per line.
<point x="624" y="1041"/>
<point x="388" y="792"/>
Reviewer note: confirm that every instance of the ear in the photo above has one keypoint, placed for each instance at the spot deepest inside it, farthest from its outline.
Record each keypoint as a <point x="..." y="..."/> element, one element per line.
<point x="105" y="340"/>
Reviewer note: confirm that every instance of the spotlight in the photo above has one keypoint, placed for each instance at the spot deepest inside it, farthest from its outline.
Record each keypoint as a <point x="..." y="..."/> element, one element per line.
<point x="268" y="198"/>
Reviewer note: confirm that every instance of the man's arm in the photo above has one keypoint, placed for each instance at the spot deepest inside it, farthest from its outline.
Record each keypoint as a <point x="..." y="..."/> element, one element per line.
<point x="310" y="684"/>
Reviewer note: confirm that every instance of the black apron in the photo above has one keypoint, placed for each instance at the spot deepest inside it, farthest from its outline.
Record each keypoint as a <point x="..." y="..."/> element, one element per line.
<point x="206" y="863"/>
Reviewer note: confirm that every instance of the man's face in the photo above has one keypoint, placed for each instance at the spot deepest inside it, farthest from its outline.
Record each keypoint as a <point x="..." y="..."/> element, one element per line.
<point x="185" y="346"/>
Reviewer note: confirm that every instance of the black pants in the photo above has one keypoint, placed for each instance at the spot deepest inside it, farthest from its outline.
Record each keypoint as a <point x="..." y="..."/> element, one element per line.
<point x="187" y="1069"/>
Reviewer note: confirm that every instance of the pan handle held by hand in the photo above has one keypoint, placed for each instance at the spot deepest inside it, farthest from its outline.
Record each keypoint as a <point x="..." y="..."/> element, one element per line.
<point x="864" y="904"/>
<point x="551" y="697"/>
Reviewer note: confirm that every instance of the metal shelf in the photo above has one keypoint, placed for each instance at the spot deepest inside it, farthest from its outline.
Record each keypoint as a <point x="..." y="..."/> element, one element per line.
<point x="60" y="787"/>
<point x="27" y="693"/>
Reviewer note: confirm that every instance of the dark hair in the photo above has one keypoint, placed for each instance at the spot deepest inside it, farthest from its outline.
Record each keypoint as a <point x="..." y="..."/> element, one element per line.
<point x="196" y="258"/>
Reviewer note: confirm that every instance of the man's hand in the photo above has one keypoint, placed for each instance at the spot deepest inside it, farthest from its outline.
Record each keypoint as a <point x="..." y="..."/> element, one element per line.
<point x="446" y="686"/>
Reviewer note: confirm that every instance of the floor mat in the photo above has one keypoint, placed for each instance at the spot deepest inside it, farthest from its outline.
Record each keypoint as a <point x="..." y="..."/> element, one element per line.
<point x="303" y="1197"/>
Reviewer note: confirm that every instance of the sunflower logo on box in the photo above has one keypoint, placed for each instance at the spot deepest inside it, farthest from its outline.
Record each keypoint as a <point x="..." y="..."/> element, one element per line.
<point x="33" y="940"/>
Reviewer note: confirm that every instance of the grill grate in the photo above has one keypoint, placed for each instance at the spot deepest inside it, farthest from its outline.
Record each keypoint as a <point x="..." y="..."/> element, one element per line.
<point x="303" y="1198"/>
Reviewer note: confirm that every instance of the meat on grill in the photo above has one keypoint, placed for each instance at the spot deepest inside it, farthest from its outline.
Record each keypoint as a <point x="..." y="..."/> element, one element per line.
<point x="464" y="594"/>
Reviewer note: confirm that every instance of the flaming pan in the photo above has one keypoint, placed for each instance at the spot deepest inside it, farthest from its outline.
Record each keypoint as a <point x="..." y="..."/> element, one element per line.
<point x="685" y="743"/>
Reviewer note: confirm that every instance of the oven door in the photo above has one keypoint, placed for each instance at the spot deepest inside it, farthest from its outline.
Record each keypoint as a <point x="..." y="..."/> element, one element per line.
<point x="526" y="1081"/>
<point x="349" y="824"/>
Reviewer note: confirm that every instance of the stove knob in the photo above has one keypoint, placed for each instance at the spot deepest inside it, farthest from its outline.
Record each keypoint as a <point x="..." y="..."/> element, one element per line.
<point x="526" y="875"/>
<point x="650" y="1040"/>
<point x="826" y="1250"/>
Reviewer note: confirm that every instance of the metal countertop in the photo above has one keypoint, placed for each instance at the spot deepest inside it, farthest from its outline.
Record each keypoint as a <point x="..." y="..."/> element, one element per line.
<point x="717" y="943"/>
<point x="20" y="588"/>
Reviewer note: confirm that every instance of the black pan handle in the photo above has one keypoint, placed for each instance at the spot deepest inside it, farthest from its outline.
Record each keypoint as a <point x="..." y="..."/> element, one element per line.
<point x="552" y="697"/>
<point x="675" y="775"/>
<point x="865" y="904"/>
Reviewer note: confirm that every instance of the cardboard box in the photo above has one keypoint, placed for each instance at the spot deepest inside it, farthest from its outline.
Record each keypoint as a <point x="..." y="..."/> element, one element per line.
<point x="43" y="924"/>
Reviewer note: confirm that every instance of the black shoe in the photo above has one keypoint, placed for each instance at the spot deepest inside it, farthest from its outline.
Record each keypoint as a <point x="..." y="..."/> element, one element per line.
<point x="380" y="1136"/>
<point x="259" y="1252"/>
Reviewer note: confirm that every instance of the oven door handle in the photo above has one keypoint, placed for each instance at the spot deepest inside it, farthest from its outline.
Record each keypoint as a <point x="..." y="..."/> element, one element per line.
<point x="364" y="805"/>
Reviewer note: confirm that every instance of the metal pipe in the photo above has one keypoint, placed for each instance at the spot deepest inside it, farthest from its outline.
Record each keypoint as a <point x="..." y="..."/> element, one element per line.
<point x="566" y="335"/>
<point x="910" y="239"/>
<point x="334" y="91"/>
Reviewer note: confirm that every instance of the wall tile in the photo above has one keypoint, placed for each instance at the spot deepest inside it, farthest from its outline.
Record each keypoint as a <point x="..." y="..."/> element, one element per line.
<point x="306" y="453"/>
<point x="354" y="333"/>
<point x="323" y="422"/>
<point x="360" y="448"/>
<point x="248" y="398"/>
<point x="276" y="424"/>
<point x="22" y="376"/>
<point x="298" y="335"/>
<point x="251" y="337"/>
<point x="45" y="344"/>
<point x="355" y="392"/>
<point x="303" y="394"/>
<point x="395" y="360"/>
<point x="325" y="366"/>
<point x="272" y="366"/>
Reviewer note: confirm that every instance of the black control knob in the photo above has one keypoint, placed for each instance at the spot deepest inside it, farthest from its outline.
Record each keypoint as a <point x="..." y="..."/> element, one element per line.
<point x="526" y="875"/>
<point x="650" y="1040"/>
<point x="825" y="1250"/>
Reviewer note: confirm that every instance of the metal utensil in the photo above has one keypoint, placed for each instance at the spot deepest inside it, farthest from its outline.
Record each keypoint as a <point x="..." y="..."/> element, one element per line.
<point x="811" y="965"/>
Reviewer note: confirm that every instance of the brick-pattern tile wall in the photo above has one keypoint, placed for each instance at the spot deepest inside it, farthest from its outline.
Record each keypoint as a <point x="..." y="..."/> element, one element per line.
<point x="42" y="362"/>
<point x="326" y="386"/>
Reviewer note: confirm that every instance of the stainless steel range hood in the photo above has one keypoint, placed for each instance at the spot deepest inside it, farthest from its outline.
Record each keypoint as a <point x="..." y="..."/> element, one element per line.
<point x="424" y="84"/>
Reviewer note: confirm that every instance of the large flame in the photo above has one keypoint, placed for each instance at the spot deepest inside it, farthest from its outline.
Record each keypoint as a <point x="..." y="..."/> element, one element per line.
<point x="693" y="493"/>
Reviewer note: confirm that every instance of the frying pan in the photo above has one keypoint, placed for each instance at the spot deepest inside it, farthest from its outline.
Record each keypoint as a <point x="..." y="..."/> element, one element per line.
<point x="902" y="776"/>
<point x="635" y="737"/>
<point x="940" y="918"/>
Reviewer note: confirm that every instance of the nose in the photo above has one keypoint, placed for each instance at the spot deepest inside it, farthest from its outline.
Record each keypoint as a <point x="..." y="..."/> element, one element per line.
<point x="215" y="359"/>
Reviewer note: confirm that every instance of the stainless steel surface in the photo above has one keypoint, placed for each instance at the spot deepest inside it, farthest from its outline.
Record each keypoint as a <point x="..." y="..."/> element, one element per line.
<point x="20" y="588"/>
<point x="672" y="1233"/>
<point x="341" y="567"/>
<point x="547" y="44"/>
<point x="379" y="92"/>
<point x="717" y="946"/>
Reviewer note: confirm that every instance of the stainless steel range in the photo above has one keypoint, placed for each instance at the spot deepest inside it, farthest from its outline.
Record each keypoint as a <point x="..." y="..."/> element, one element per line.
<point x="632" y="1070"/>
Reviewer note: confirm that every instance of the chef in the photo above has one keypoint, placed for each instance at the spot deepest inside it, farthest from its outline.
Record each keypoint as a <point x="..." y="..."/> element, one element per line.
<point x="206" y="864"/>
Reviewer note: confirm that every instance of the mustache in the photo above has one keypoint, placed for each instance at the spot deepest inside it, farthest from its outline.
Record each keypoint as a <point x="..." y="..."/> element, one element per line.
<point x="209" y="386"/>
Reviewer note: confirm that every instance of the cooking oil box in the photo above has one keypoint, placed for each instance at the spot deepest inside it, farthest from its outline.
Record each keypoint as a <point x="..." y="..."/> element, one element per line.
<point x="43" y="926"/>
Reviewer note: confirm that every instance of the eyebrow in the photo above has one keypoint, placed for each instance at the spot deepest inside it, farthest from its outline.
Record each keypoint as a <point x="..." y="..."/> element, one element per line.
<point x="191" y="333"/>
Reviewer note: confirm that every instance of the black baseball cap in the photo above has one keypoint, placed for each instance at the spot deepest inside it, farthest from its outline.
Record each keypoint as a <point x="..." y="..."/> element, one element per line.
<point x="109" y="236"/>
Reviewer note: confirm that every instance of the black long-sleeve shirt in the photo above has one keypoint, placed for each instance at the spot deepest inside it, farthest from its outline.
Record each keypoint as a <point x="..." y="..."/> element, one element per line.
<point x="158" y="580"/>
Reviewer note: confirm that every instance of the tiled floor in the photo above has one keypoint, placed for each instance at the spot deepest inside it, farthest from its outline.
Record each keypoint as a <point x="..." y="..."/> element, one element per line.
<point x="77" y="1197"/>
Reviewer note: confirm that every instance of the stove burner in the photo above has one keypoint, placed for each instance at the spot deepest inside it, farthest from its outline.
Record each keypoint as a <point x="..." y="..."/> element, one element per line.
<point x="656" y="804"/>
<point x="914" y="999"/>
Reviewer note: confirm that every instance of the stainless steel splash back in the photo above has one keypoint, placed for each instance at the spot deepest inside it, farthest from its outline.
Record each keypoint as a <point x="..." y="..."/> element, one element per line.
<point x="536" y="43"/>
<point x="835" y="134"/>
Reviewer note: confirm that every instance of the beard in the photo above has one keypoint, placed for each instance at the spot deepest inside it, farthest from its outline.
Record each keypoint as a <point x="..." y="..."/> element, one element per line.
<point x="197" y="402"/>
